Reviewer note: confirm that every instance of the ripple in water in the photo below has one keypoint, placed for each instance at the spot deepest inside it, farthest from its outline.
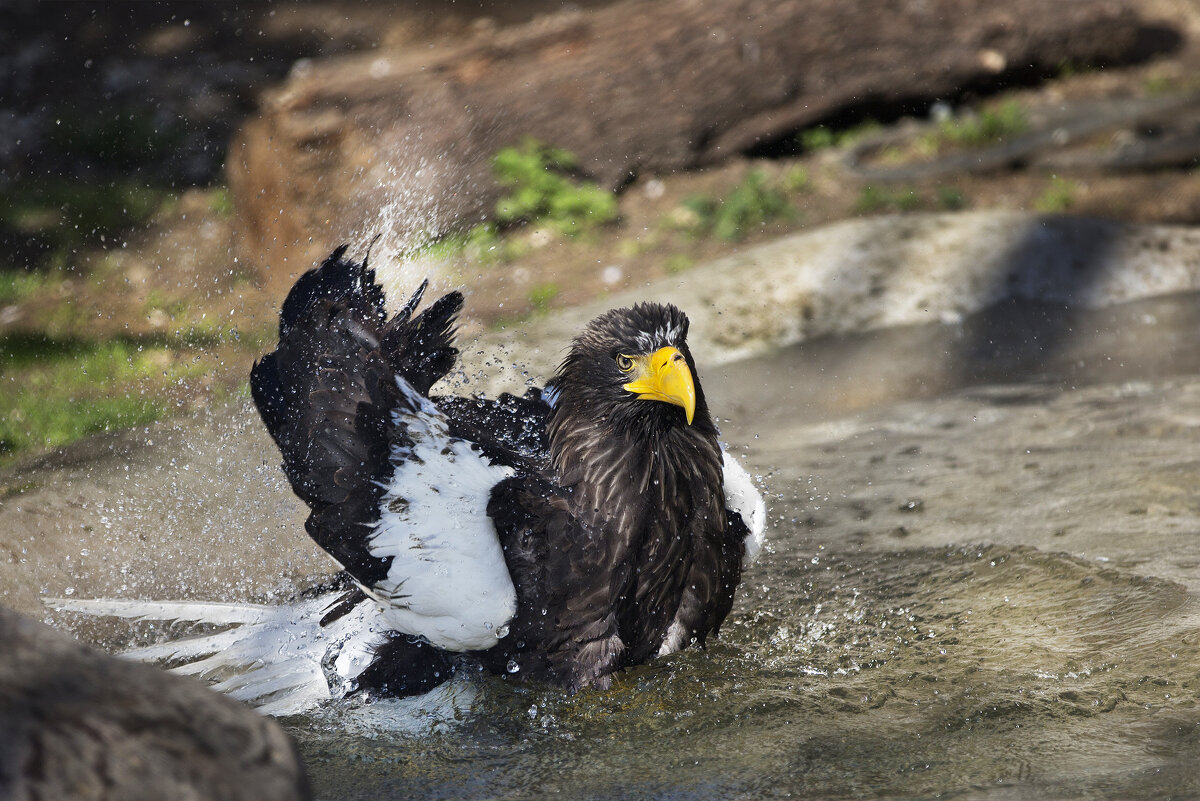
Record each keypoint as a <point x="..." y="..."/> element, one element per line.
<point x="839" y="675"/>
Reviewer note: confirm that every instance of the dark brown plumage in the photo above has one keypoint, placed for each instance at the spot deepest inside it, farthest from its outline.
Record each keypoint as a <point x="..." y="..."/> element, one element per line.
<point x="604" y="492"/>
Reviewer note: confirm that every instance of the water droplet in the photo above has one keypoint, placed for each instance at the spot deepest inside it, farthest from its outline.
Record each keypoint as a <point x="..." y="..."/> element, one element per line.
<point x="513" y="667"/>
<point x="69" y="591"/>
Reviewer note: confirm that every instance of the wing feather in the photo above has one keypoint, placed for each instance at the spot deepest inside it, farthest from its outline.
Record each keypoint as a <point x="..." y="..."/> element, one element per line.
<point x="397" y="498"/>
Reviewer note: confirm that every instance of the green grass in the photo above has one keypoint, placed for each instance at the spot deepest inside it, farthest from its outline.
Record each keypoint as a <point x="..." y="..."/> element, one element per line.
<point x="19" y="285"/>
<point x="56" y="390"/>
<point x="751" y="204"/>
<point x="51" y="422"/>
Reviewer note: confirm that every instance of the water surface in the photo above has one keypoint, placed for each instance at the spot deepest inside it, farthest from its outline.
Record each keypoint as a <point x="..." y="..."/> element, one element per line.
<point x="981" y="579"/>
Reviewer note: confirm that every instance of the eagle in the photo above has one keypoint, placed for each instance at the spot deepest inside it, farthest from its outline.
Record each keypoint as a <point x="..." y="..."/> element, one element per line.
<point x="558" y="536"/>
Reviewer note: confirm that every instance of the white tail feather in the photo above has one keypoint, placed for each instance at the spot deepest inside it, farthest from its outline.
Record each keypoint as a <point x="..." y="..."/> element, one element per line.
<point x="278" y="658"/>
<point x="213" y="612"/>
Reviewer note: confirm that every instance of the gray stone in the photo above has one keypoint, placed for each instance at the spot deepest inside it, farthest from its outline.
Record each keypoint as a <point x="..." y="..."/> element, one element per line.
<point x="879" y="273"/>
<point x="77" y="724"/>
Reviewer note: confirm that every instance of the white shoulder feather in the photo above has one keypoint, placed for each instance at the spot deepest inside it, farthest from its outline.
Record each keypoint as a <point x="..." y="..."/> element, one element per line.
<point x="742" y="497"/>
<point x="448" y="580"/>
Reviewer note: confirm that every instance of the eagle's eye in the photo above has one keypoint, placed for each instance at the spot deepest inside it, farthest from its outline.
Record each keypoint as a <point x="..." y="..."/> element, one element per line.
<point x="625" y="363"/>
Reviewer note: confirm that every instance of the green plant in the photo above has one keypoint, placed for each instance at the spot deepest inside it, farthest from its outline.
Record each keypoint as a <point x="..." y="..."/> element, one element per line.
<point x="796" y="179"/>
<point x="544" y="186"/>
<point x="157" y="300"/>
<point x="754" y="202"/>
<point x="872" y="199"/>
<point x="989" y="126"/>
<point x="951" y="198"/>
<point x="541" y="296"/>
<point x="220" y="201"/>
<point x="1069" y="67"/>
<point x="822" y="137"/>
<point x="1057" y="197"/>
<point x="678" y="263"/>
<point x="819" y="137"/>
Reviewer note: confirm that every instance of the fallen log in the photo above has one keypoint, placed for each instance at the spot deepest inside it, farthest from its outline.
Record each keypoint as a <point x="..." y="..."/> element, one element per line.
<point x="400" y="142"/>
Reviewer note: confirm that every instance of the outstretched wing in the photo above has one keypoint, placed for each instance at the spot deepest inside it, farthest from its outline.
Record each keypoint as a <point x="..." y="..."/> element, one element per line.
<point x="397" y="498"/>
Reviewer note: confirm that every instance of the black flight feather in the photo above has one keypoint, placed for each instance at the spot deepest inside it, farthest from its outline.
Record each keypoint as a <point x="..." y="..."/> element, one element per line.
<point x="327" y="391"/>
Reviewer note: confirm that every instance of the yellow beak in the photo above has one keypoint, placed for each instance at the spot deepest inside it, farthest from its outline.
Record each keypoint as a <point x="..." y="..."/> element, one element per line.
<point x="664" y="376"/>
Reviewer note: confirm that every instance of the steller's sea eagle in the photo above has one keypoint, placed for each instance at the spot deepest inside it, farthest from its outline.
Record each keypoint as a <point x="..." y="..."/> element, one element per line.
<point x="559" y="536"/>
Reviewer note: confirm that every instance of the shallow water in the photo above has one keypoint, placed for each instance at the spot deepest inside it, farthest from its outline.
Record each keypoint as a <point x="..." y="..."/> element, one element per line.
<point x="981" y="579"/>
<point x="876" y="650"/>
<point x="928" y="671"/>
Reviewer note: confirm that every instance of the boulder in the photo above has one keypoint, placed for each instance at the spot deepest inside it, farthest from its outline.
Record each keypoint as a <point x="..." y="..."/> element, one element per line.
<point x="399" y="142"/>
<point x="78" y="724"/>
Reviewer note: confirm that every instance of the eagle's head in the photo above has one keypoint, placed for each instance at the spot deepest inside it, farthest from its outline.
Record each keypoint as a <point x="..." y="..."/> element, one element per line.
<point x="630" y="371"/>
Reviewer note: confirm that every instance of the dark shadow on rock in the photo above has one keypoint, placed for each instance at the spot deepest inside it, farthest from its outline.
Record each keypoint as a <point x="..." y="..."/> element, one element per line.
<point x="1049" y="270"/>
<point x="1147" y="41"/>
<point x="1154" y="40"/>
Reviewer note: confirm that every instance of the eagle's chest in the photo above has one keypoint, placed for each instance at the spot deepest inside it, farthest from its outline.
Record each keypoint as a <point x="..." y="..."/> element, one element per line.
<point x="674" y="529"/>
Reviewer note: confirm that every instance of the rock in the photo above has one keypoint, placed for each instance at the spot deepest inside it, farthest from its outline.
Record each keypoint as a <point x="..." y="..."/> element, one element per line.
<point x="881" y="272"/>
<point x="78" y="724"/>
<point x="400" y="142"/>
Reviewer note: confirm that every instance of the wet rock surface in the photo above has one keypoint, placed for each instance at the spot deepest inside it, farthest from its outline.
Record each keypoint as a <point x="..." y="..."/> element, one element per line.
<point x="193" y="508"/>
<point x="78" y="724"/>
<point x="859" y="276"/>
<point x="352" y="145"/>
